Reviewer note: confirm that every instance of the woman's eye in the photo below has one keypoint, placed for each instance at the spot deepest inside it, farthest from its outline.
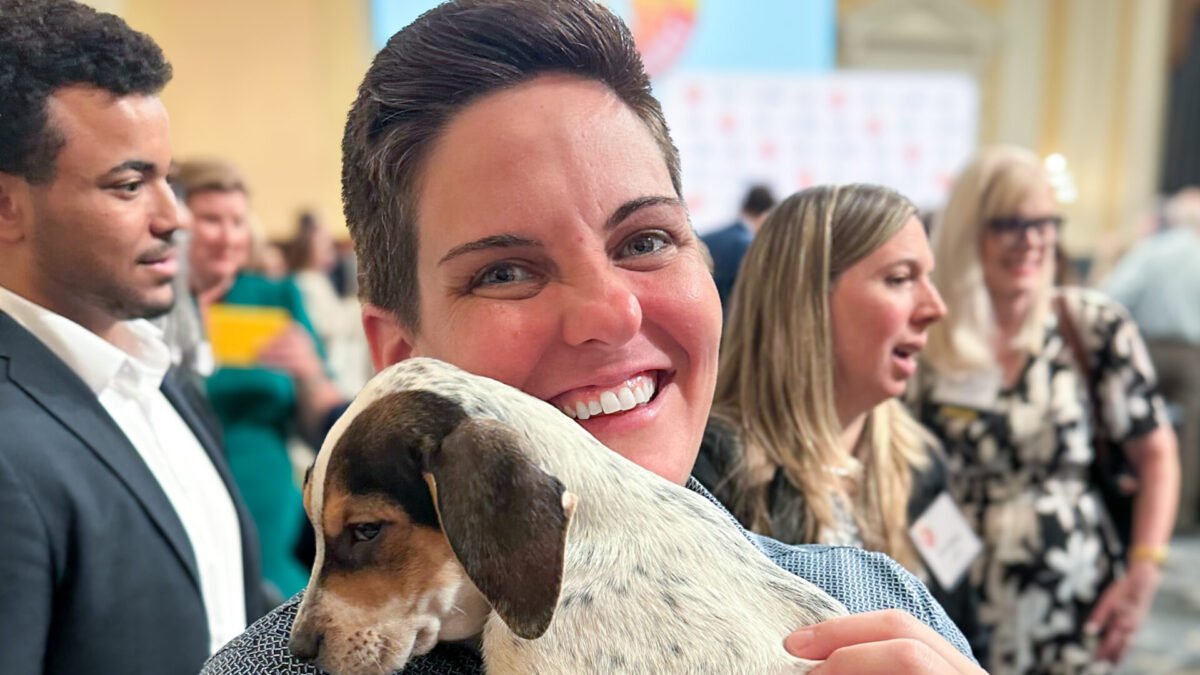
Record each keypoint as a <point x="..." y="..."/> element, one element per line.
<point x="645" y="243"/>
<point x="365" y="531"/>
<point x="898" y="281"/>
<point x="503" y="274"/>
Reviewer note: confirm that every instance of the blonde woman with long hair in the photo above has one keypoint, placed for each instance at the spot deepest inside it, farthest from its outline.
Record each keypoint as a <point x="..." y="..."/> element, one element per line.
<point x="807" y="442"/>
<point x="1001" y="386"/>
<point x="260" y="404"/>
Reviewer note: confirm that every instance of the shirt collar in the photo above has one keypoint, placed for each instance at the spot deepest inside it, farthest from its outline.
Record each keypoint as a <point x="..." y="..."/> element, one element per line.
<point x="137" y="355"/>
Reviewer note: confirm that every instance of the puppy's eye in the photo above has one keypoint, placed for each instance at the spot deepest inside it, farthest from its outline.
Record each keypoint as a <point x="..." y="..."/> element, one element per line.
<point x="365" y="531"/>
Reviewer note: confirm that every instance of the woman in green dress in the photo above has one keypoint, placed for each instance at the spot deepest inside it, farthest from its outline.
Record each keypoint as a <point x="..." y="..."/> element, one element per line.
<point x="260" y="404"/>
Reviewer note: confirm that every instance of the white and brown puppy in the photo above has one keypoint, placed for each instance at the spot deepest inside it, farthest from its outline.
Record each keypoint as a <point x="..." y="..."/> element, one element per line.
<point x="442" y="502"/>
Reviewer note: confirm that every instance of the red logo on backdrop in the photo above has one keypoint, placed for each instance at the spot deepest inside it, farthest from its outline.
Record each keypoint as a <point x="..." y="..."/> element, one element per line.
<point x="661" y="29"/>
<point x="804" y="179"/>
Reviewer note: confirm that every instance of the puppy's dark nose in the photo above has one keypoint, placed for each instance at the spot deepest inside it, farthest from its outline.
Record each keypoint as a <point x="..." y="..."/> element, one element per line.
<point x="305" y="644"/>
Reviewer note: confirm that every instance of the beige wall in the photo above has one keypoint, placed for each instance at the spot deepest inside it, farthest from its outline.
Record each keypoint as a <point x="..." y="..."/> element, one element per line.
<point x="1085" y="78"/>
<point x="266" y="84"/>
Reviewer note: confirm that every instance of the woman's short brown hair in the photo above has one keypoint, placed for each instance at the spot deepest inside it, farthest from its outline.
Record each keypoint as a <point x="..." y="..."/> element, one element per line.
<point x="448" y="58"/>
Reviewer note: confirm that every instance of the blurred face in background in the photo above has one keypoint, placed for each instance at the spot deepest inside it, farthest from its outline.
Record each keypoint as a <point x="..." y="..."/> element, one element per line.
<point x="1017" y="250"/>
<point x="324" y="251"/>
<point x="556" y="257"/>
<point x="220" y="237"/>
<point x="880" y="309"/>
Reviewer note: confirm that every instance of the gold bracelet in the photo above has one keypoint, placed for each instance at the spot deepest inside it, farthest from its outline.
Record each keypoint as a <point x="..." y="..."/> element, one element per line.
<point x="1154" y="554"/>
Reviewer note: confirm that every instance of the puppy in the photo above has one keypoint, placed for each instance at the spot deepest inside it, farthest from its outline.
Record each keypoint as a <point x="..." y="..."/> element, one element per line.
<point x="448" y="505"/>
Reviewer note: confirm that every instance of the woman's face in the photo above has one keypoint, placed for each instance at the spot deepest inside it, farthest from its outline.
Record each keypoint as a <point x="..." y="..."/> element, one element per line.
<point x="220" y="237"/>
<point x="554" y="256"/>
<point x="1017" y="251"/>
<point x="324" y="252"/>
<point x="881" y="307"/>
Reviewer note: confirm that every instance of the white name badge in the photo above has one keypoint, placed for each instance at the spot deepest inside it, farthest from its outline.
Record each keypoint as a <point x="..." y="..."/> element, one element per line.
<point x="945" y="541"/>
<point x="978" y="389"/>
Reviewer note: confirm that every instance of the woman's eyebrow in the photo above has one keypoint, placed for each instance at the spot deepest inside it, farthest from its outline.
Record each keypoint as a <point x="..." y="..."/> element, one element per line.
<point x="494" y="241"/>
<point x="630" y="207"/>
<point x="912" y="263"/>
<point x="514" y="240"/>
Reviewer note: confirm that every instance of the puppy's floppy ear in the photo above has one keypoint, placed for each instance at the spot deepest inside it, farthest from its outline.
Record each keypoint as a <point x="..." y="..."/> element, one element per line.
<point x="506" y="520"/>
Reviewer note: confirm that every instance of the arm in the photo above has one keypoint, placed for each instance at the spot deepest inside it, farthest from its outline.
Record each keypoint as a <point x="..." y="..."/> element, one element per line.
<point x="1125" y="603"/>
<point x="888" y="641"/>
<point x="1156" y="457"/>
<point x="316" y="394"/>
<point x="887" y="603"/>
<point x="26" y="579"/>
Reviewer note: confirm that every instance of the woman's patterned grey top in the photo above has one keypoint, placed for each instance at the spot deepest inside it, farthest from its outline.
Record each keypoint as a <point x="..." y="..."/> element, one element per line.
<point x="861" y="580"/>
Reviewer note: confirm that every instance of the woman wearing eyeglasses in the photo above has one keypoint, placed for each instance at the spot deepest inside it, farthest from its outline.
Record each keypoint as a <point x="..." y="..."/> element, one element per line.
<point x="1001" y="385"/>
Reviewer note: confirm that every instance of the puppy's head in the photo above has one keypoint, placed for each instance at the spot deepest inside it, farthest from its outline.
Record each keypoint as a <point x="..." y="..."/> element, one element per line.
<point x="426" y="520"/>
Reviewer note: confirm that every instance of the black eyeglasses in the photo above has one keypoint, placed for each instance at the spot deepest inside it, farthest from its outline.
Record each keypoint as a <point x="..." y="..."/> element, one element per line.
<point x="1012" y="230"/>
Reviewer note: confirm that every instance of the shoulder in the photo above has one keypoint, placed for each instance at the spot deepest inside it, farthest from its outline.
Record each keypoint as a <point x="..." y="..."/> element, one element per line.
<point x="721" y="442"/>
<point x="720" y="449"/>
<point x="1104" y="325"/>
<point x="717" y="235"/>
<point x="30" y="426"/>
<point x="263" y="650"/>
<point x="1092" y="307"/>
<point x="928" y="482"/>
<point x="729" y="235"/>
<point x="864" y="581"/>
<point x="256" y="289"/>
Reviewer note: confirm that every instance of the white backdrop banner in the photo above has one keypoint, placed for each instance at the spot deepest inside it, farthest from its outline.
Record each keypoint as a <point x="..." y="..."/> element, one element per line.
<point x="910" y="131"/>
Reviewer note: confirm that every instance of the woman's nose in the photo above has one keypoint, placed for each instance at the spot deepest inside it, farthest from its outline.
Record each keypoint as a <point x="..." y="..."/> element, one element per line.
<point x="224" y="232"/>
<point x="930" y="306"/>
<point x="603" y="311"/>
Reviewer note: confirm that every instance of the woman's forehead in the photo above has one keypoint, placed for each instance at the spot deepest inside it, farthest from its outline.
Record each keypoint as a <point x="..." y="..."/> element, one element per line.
<point x="552" y="150"/>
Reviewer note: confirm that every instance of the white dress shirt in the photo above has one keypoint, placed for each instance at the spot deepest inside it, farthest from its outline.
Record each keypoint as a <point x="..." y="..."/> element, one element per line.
<point x="126" y="376"/>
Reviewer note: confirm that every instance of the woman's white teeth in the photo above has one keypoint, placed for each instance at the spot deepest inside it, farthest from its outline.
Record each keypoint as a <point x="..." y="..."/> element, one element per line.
<point x="619" y="400"/>
<point x="626" y="399"/>
<point x="609" y="402"/>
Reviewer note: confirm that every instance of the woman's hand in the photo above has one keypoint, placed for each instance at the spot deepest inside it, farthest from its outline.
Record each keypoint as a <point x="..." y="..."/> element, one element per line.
<point x="888" y="641"/>
<point x="295" y="353"/>
<point x="1122" y="608"/>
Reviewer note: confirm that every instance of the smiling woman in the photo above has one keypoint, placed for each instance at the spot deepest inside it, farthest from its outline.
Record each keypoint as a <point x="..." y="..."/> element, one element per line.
<point x="515" y="203"/>
<point x="1005" y="387"/>
<point x="592" y="280"/>
<point x="264" y="396"/>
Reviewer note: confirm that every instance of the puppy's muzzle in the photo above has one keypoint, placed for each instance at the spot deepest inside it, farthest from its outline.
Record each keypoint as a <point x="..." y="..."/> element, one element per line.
<point x="305" y="642"/>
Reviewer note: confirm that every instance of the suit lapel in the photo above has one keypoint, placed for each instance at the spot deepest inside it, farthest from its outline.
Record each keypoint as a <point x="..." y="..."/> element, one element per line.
<point x="54" y="386"/>
<point x="185" y="403"/>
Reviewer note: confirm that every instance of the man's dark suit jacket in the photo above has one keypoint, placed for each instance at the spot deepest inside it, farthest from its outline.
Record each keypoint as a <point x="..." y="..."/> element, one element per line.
<point x="97" y="574"/>
<point x="727" y="247"/>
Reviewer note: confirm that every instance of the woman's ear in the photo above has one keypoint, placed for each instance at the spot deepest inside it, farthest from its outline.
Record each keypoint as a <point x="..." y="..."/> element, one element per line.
<point x="390" y="342"/>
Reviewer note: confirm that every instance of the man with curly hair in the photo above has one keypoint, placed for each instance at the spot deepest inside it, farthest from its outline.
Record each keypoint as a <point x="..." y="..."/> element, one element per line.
<point x="126" y="548"/>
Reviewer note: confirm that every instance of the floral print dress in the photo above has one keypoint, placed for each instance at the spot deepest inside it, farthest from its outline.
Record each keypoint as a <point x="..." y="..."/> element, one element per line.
<point x="1018" y="459"/>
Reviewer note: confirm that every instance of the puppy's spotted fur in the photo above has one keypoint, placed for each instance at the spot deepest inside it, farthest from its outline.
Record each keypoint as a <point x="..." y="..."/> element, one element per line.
<point x="442" y="502"/>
